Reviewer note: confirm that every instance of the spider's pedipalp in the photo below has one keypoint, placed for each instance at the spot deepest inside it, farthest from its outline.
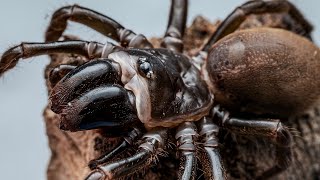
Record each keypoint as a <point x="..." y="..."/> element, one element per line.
<point x="97" y="21"/>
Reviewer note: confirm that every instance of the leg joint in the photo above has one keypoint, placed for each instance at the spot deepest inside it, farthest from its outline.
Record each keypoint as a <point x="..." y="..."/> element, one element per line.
<point x="283" y="137"/>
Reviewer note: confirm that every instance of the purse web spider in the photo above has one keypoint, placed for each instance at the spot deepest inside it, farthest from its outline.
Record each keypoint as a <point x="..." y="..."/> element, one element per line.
<point x="144" y="93"/>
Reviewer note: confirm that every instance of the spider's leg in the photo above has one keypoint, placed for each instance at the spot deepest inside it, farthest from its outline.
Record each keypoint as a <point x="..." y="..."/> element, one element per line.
<point x="153" y="143"/>
<point x="90" y="50"/>
<point x="271" y="129"/>
<point x="99" y="22"/>
<point x="234" y="20"/>
<point x="186" y="136"/>
<point x="176" y="26"/>
<point x="127" y="142"/>
<point x="209" y="155"/>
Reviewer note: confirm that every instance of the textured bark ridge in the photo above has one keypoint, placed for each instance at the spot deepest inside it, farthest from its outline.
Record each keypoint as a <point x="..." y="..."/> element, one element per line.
<point x="244" y="157"/>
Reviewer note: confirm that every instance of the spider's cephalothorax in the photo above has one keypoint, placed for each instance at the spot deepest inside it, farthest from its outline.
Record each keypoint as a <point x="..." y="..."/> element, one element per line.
<point x="129" y="89"/>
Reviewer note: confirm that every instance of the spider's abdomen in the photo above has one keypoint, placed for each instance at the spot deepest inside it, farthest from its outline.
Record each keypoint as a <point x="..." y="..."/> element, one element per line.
<point x="265" y="71"/>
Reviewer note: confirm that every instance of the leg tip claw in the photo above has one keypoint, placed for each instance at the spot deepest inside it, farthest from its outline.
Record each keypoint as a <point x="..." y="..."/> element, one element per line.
<point x="96" y="175"/>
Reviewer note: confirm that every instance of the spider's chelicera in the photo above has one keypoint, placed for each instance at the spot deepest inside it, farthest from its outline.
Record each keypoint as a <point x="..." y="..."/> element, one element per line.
<point x="140" y="92"/>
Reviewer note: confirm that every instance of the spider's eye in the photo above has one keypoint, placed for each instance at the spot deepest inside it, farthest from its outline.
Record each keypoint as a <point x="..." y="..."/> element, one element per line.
<point x="145" y="67"/>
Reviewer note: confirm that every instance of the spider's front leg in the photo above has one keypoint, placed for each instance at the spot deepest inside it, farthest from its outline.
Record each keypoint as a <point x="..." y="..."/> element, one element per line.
<point x="88" y="49"/>
<point x="97" y="21"/>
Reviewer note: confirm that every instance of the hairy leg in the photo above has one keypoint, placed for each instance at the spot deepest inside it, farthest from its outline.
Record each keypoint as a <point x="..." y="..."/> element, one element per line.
<point x="127" y="142"/>
<point x="153" y="143"/>
<point x="271" y="129"/>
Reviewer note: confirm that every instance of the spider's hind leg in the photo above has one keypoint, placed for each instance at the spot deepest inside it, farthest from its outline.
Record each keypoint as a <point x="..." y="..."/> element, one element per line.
<point x="234" y="20"/>
<point x="272" y="129"/>
<point x="176" y="26"/>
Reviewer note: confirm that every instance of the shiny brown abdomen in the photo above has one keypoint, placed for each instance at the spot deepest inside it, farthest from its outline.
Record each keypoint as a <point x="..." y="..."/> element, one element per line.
<point x="265" y="71"/>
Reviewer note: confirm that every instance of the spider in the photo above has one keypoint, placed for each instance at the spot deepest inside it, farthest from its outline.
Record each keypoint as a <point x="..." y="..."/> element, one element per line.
<point x="243" y="81"/>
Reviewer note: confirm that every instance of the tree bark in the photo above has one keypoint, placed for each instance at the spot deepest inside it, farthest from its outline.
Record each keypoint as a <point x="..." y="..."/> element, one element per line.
<point x="244" y="157"/>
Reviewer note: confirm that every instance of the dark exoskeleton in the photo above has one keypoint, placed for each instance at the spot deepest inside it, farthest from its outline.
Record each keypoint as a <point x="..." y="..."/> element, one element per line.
<point x="126" y="90"/>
